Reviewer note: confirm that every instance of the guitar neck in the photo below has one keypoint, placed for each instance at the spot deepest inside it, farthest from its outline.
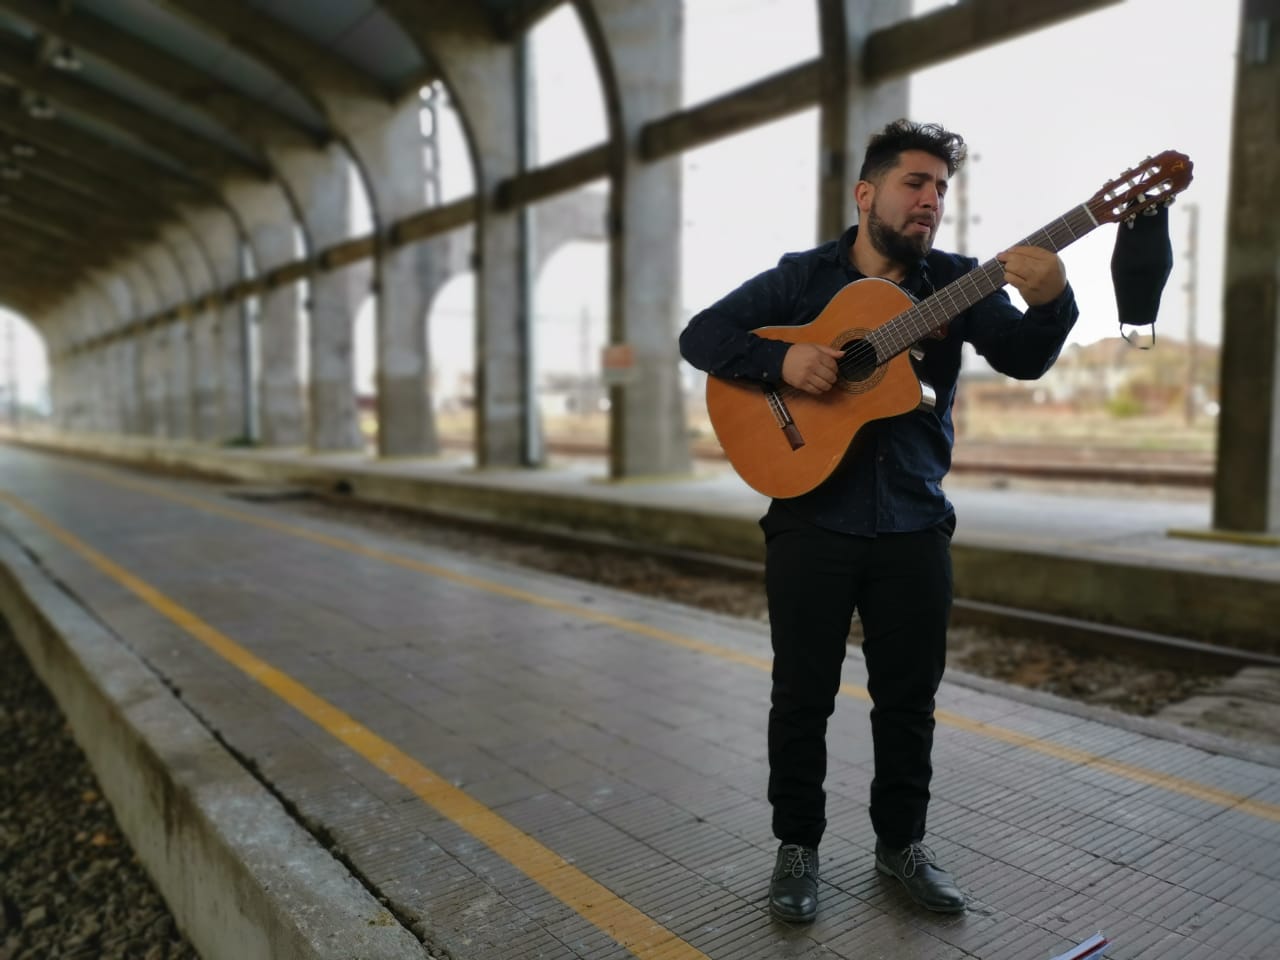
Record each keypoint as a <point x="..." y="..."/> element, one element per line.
<point x="935" y="311"/>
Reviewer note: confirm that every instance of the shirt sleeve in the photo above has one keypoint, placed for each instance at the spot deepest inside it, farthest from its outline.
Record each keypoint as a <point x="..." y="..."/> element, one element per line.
<point x="1017" y="344"/>
<point x="719" y="339"/>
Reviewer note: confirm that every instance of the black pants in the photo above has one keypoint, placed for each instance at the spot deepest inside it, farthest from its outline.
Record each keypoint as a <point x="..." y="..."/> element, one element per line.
<point x="900" y="585"/>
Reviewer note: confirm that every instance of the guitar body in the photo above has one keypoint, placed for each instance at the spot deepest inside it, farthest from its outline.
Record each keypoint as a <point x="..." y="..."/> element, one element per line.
<point x="782" y="462"/>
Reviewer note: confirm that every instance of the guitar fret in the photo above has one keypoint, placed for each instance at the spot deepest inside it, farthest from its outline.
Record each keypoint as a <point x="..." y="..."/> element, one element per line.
<point x="921" y="319"/>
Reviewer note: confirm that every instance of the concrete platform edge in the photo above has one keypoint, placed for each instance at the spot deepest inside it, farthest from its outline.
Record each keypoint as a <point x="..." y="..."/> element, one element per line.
<point x="243" y="880"/>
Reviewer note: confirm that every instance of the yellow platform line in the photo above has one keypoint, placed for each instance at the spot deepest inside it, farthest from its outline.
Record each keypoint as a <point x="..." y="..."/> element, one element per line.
<point x="642" y="935"/>
<point x="1083" y="758"/>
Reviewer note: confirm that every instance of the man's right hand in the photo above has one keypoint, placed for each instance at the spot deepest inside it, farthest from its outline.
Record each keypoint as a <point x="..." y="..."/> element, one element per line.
<point x="811" y="367"/>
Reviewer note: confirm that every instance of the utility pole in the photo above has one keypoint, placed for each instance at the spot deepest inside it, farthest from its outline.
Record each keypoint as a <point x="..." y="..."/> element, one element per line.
<point x="1193" y="221"/>
<point x="962" y="206"/>
<point x="959" y="411"/>
<point x="429" y="120"/>
<point x="11" y="368"/>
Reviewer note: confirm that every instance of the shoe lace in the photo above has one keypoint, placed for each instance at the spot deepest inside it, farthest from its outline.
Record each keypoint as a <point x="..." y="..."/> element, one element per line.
<point x="916" y="855"/>
<point x="798" y="861"/>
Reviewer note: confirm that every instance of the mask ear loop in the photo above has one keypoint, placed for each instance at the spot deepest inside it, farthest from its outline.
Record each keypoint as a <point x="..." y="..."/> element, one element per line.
<point x="1139" y="341"/>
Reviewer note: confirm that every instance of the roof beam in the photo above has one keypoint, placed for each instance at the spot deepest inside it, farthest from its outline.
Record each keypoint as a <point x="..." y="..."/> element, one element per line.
<point x="776" y="96"/>
<point x="159" y="68"/>
<point x="52" y="204"/>
<point x="188" y="146"/>
<point x="33" y="222"/>
<point x="102" y="154"/>
<point x="962" y="28"/>
<point x="515" y="16"/>
<point x="84" y="179"/>
<point x="29" y="261"/>
<point x="269" y="41"/>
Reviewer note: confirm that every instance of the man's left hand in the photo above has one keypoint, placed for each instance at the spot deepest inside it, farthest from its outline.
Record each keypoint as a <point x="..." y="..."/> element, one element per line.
<point x="1036" y="273"/>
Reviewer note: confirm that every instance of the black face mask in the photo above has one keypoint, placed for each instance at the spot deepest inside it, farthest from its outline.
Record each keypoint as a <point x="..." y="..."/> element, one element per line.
<point x="1140" y="265"/>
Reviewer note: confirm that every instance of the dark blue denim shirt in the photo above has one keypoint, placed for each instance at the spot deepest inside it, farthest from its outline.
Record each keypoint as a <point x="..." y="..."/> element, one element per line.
<point x="891" y="480"/>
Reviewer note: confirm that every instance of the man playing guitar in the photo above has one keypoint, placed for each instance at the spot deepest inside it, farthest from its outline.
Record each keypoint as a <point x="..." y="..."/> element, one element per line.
<point x="875" y="534"/>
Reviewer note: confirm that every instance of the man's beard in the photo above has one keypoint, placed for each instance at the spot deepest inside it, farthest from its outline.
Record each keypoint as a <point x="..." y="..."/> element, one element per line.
<point x="897" y="247"/>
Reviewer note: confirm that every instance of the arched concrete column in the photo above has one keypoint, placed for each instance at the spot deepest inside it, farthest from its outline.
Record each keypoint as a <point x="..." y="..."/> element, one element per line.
<point x="1246" y="493"/>
<point x="269" y="223"/>
<point x="144" y="302"/>
<point x="484" y="77"/>
<point x="61" y="325"/>
<point x="219" y="347"/>
<point x="108" y="295"/>
<point x="64" y="394"/>
<point x="638" y="51"/>
<point x="168" y="365"/>
<point x="87" y="385"/>
<point x="198" y="271"/>
<point x="851" y="111"/>
<point x="322" y="183"/>
<point x="98" y="375"/>
<point x="388" y="144"/>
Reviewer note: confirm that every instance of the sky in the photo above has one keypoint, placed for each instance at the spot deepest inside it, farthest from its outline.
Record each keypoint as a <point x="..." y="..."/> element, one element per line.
<point x="1049" y="117"/>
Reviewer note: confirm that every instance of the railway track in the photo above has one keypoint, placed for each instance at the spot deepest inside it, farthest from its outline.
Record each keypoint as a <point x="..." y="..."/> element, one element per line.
<point x="1081" y="636"/>
<point x="1032" y="461"/>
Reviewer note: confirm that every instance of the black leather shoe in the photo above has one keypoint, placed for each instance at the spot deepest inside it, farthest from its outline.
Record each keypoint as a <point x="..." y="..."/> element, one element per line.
<point x="793" y="893"/>
<point x="929" y="885"/>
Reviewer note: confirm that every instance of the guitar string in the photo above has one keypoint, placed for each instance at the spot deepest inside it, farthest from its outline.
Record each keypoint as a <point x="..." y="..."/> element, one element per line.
<point x="921" y="319"/>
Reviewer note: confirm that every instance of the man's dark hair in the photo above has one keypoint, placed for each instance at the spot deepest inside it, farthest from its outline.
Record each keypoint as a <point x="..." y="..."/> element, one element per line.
<point x="890" y="143"/>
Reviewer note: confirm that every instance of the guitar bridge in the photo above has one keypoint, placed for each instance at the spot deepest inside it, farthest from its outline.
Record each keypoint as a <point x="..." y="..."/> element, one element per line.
<point x="783" y="416"/>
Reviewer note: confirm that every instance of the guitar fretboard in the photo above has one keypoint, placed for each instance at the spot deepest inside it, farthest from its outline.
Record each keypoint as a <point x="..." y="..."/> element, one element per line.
<point x="959" y="295"/>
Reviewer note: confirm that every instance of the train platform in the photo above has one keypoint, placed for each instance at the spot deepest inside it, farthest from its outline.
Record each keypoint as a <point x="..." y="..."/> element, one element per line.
<point x="325" y="742"/>
<point x="1139" y="557"/>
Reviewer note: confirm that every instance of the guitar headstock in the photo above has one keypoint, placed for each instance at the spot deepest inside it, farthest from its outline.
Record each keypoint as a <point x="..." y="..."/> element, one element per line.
<point x="1156" y="180"/>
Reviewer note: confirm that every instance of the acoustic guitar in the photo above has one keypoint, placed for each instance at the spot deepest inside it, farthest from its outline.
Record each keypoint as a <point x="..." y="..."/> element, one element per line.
<point x="784" y="442"/>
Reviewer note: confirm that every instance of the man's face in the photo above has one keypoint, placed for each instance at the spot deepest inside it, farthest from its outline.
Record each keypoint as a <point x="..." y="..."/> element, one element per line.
<point x="905" y="207"/>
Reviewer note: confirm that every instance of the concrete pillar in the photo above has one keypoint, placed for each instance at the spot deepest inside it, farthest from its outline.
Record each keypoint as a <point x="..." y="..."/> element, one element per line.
<point x="57" y="342"/>
<point x="851" y="111"/>
<point x="202" y="360"/>
<point x="169" y="373"/>
<point x="61" y="327"/>
<point x="482" y="75"/>
<point x="141" y="363"/>
<point x="232" y="360"/>
<point x="197" y="270"/>
<point x="322" y="182"/>
<point x="119" y="294"/>
<point x="1247" y="488"/>
<point x="640" y="45"/>
<point x="269" y="223"/>
<point x="219" y="354"/>
<point x="71" y="324"/>
<point x="390" y="150"/>
<point x="81" y="391"/>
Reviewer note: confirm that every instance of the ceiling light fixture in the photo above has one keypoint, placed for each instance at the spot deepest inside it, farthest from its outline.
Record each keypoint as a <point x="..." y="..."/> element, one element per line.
<point x="65" y="59"/>
<point x="40" y="108"/>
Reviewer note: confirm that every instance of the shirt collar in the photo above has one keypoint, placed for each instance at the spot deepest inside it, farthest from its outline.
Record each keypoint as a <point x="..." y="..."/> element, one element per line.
<point x="916" y="276"/>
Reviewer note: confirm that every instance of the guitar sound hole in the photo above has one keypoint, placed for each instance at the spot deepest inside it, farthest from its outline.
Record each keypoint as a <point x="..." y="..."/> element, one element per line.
<point x="859" y="361"/>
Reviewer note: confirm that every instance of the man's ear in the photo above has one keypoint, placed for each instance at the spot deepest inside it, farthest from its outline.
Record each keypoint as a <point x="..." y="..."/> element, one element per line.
<point x="864" y="191"/>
